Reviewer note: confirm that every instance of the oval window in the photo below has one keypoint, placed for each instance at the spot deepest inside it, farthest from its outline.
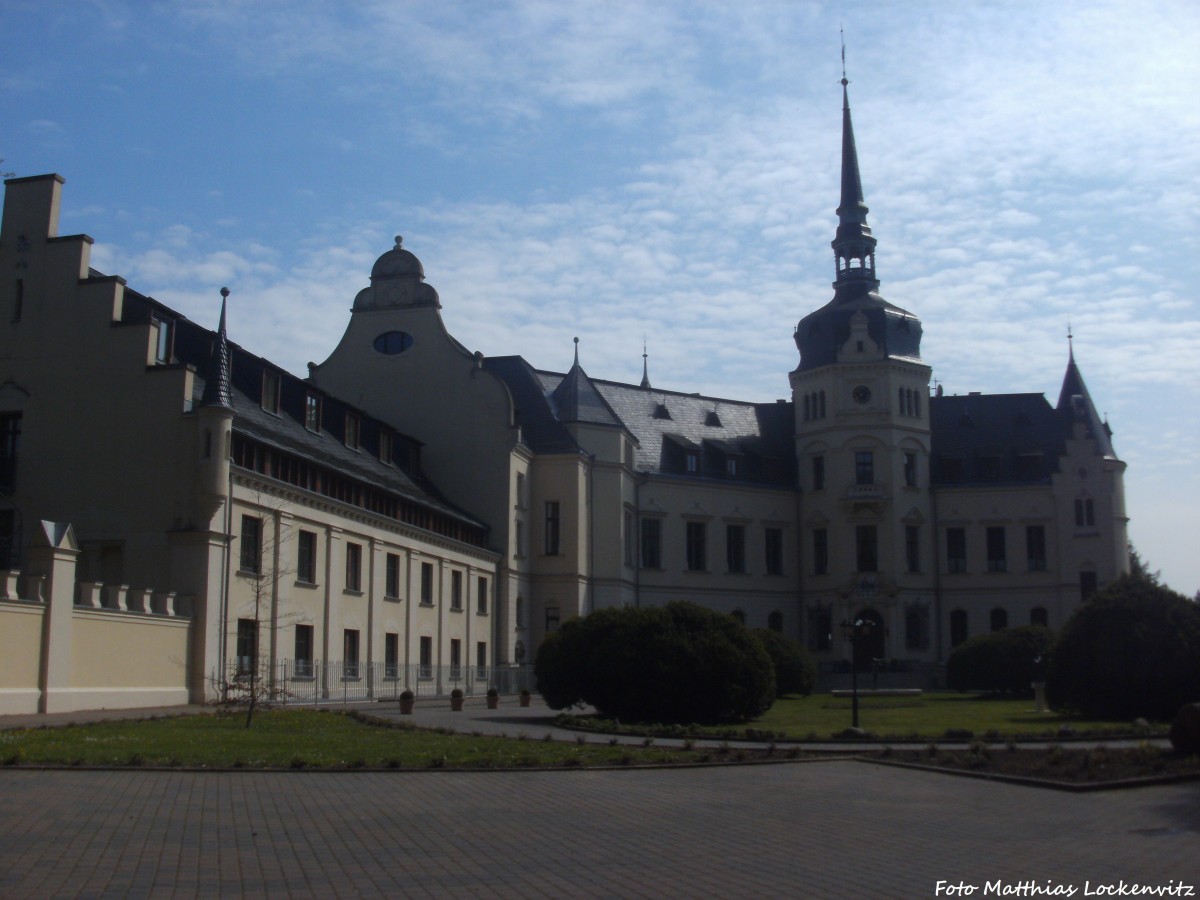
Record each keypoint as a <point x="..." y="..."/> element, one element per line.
<point x="393" y="342"/>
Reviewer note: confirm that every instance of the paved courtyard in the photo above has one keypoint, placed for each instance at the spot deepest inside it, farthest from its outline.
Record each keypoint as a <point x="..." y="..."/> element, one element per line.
<point x="820" y="829"/>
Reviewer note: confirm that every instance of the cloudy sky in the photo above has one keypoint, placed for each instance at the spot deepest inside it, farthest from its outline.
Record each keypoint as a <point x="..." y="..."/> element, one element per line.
<point x="661" y="171"/>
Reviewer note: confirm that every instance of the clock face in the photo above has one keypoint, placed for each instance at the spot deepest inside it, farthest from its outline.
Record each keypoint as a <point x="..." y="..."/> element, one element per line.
<point x="862" y="394"/>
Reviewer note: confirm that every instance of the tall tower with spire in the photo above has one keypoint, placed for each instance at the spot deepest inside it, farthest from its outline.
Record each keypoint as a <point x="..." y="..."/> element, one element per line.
<point x="860" y="395"/>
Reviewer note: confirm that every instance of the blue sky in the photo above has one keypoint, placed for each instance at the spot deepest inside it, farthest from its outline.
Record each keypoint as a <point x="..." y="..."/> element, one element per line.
<point x="663" y="170"/>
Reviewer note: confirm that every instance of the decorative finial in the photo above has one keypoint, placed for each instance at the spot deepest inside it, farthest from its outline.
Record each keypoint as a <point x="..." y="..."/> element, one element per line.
<point x="842" y="32"/>
<point x="224" y="292"/>
<point x="576" y="351"/>
<point x="645" y="365"/>
<point x="399" y="241"/>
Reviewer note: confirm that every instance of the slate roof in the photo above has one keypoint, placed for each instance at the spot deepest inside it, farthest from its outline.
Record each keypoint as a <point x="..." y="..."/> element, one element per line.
<point x="194" y="345"/>
<point x="981" y="438"/>
<point x="541" y="429"/>
<point x="1075" y="404"/>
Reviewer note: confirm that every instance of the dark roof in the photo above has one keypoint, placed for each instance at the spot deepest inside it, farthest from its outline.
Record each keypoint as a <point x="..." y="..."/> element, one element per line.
<point x="576" y="399"/>
<point x="982" y="438"/>
<point x="761" y="433"/>
<point x="1075" y="405"/>
<point x="541" y="430"/>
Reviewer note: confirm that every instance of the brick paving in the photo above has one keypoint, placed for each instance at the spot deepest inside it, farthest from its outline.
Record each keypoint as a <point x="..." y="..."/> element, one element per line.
<point x="823" y="829"/>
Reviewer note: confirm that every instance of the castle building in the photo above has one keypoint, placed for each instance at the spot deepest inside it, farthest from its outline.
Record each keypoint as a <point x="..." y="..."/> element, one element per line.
<point x="176" y="508"/>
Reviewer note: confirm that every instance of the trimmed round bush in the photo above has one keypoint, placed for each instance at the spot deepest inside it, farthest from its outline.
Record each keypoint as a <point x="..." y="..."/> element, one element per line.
<point x="1003" y="662"/>
<point x="795" y="670"/>
<point x="679" y="663"/>
<point x="1132" y="650"/>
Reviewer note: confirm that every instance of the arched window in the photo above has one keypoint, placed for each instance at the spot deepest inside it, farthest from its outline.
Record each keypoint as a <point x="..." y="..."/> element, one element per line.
<point x="520" y="612"/>
<point x="999" y="619"/>
<point x="958" y="627"/>
<point x="807" y="402"/>
<point x="775" y="621"/>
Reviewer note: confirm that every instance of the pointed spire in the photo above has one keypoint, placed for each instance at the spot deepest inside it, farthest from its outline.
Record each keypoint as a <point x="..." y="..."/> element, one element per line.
<point x="854" y="245"/>
<point x="645" y="366"/>
<point x="1075" y="405"/>
<point x="217" y="390"/>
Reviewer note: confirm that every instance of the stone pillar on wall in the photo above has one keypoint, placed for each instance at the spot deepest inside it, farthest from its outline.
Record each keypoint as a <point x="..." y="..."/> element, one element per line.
<point x="53" y="554"/>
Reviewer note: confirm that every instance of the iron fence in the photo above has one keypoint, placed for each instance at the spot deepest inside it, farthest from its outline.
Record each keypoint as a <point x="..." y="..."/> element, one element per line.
<point x="292" y="681"/>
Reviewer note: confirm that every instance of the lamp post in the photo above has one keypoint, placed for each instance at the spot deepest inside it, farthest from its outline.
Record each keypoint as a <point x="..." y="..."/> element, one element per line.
<point x="852" y="633"/>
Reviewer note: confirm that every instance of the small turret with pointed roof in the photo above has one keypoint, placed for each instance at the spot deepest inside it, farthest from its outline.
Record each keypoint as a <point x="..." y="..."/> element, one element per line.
<point x="217" y="391"/>
<point x="577" y="400"/>
<point x="853" y="245"/>
<point x="1075" y="405"/>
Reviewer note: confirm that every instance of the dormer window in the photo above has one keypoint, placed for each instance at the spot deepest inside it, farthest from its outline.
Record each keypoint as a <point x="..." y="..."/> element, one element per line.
<point x="162" y="340"/>
<point x="731" y="466"/>
<point x="270" y="392"/>
<point x="661" y="411"/>
<point x="387" y="446"/>
<point x="712" y="419"/>
<point x="312" y="412"/>
<point x="692" y="462"/>
<point x="353" y="430"/>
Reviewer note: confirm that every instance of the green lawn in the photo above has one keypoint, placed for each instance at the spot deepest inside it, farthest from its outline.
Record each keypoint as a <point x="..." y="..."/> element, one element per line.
<point x="299" y="738"/>
<point x="925" y="716"/>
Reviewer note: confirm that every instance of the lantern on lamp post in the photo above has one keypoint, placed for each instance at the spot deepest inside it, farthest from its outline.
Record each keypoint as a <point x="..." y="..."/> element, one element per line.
<point x="853" y="632"/>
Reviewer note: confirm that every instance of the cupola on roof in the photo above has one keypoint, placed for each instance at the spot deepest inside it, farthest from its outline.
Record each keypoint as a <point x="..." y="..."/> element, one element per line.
<point x="397" y="279"/>
<point x="398" y="263"/>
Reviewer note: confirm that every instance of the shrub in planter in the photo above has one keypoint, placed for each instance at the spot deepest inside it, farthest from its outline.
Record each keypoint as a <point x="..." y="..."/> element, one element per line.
<point x="795" y="669"/>
<point x="407" y="701"/>
<point x="1003" y="662"/>
<point x="456" y="700"/>
<point x="1132" y="650"/>
<point x="673" y="664"/>
<point x="493" y="698"/>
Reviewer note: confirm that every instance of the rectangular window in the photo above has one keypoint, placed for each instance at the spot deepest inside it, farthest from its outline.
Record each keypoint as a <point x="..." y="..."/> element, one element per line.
<point x="306" y="557"/>
<point x="162" y="340"/>
<point x="391" y="576"/>
<point x="353" y="430"/>
<point x="455" y="659"/>
<point x="19" y="300"/>
<point x="426" y="670"/>
<point x="693" y="462"/>
<point x="520" y="498"/>
<point x="481" y="660"/>
<point x="818" y="473"/>
<point x="481" y="597"/>
<point x="391" y="655"/>
<point x="553" y="527"/>
<point x="251" y="545"/>
<point x="519" y="538"/>
<point x="735" y="548"/>
<point x="552" y="618"/>
<point x="387" y="446"/>
<point x="312" y="412"/>
<point x="247" y="646"/>
<point x="916" y="628"/>
<point x="731" y="466"/>
<point x="956" y="550"/>
<point x="651" y="543"/>
<point x="989" y="468"/>
<point x="695" y="546"/>
<point x="427" y="583"/>
<point x="1035" y="547"/>
<point x="774" y="545"/>
<point x="353" y="567"/>
<point x="10" y="446"/>
<point x="270" y="392"/>
<point x="864" y="467"/>
<point x="997" y="551"/>
<point x="910" y="470"/>
<point x="912" y="547"/>
<point x="303" y="651"/>
<point x="350" y="653"/>
<point x="866" y="548"/>
<point x="820" y="629"/>
<point x="1085" y="513"/>
<point x="820" y="543"/>
<point x="456" y="591"/>
<point x="629" y="544"/>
